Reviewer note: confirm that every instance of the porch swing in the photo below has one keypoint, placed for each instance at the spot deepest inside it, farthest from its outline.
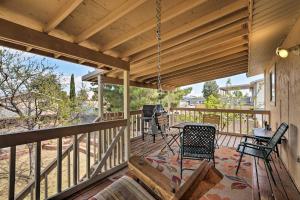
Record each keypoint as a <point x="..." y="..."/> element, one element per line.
<point x="143" y="181"/>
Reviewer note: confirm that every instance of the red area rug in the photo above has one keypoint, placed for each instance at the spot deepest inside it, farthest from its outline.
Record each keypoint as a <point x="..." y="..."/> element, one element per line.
<point x="231" y="187"/>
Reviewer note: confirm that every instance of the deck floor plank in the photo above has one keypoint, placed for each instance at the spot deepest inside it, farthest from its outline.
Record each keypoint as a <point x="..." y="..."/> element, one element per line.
<point x="263" y="187"/>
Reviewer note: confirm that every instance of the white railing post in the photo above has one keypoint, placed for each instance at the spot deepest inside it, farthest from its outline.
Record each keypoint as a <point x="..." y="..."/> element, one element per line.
<point x="100" y="96"/>
<point x="126" y="114"/>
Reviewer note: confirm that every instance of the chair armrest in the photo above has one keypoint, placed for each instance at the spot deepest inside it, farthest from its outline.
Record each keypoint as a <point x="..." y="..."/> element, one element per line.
<point x="246" y="144"/>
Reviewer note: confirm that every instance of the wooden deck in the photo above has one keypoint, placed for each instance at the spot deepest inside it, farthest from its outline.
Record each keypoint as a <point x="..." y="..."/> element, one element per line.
<point x="263" y="187"/>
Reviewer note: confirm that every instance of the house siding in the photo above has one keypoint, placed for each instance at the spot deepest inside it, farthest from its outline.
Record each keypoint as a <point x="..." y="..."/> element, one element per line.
<point x="287" y="106"/>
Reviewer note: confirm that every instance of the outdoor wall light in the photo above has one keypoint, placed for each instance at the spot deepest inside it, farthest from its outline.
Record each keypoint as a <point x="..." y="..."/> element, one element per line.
<point x="283" y="53"/>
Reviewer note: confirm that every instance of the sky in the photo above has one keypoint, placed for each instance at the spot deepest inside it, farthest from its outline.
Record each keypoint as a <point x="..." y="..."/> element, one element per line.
<point x="67" y="69"/>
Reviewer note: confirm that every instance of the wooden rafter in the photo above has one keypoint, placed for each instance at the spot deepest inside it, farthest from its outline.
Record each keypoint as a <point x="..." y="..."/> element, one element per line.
<point x="62" y="13"/>
<point x="196" y="68"/>
<point x="226" y="33"/>
<point x="14" y="33"/>
<point x="109" y="19"/>
<point x="168" y="15"/>
<point x="201" y="70"/>
<point x="188" y="58"/>
<point x="212" y="16"/>
<point x="232" y="20"/>
<point x="195" y="46"/>
<point x="209" y="76"/>
<point x="216" y="60"/>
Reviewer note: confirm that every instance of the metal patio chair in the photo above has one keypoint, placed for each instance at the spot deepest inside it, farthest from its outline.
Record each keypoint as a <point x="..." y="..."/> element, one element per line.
<point x="197" y="142"/>
<point x="214" y="120"/>
<point x="262" y="151"/>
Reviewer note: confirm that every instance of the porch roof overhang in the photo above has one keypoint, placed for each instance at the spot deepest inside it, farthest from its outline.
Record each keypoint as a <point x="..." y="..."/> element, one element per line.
<point x="201" y="39"/>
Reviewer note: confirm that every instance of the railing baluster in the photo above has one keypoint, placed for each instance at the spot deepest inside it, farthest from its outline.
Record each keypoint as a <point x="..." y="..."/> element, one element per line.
<point x="110" y="140"/>
<point x="37" y="170"/>
<point x="75" y="162"/>
<point x="94" y="147"/>
<point x="105" y="146"/>
<point x="69" y="169"/>
<point x="100" y="146"/>
<point x="59" y="164"/>
<point x="12" y="173"/>
<point x="221" y="119"/>
<point x="88" y="154"/>
<point x="227" y="120"/>
<point x="46" y="186"/>
<point x="247" y="123"/>
<point x="233" y="122"/>
<point x="240" y="123"/>
<point x="116" y="146"/>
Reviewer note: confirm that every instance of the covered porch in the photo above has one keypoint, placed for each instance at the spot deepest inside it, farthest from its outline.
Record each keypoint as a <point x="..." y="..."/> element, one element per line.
<point x="200" y="41"/>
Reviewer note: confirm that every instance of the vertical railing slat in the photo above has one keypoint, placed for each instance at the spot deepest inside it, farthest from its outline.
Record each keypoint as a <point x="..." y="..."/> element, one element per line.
<point x="37" y="170"/>
<point x="75" y="163"/>
<point x="59" y="164"/>
<point x="88" y="154"/>
<point x="12" y="173"/>
<point x="69" y="169"/>
<point x="46" y="186"/>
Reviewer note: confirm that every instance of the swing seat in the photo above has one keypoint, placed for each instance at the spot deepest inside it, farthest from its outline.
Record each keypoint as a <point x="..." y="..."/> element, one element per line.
<point x="148" y="183"/>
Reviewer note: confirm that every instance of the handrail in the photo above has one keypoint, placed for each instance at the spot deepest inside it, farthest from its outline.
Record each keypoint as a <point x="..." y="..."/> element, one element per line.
<point x="224" y="110"/>
<point x="13" y="139"/>
<point x="232" y="121"/>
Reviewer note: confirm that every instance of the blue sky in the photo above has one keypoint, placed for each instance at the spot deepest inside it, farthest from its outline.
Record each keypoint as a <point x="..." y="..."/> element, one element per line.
<point x="67" y="69"/>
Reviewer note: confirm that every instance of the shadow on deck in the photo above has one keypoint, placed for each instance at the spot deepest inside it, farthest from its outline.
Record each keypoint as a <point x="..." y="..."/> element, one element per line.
<point x="263" y="187"/>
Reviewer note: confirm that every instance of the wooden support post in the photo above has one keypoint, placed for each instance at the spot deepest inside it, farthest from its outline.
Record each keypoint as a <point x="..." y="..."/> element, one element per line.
<point x="126" y="114"/>
<point x="100" y="97"/>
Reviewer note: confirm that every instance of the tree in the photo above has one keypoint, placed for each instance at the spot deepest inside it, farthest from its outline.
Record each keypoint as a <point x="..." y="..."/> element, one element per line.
<point x="30" y="89"/>
<point x="212" y="102"/>
<point x="210" y="88"/>
<point x="113" y="97"/>
<point x="72" y="89"/>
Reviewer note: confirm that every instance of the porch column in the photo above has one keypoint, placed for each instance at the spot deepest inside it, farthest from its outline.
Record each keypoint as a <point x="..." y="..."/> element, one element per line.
<point x="126" y="114"/>
<point x="100" y="97"/>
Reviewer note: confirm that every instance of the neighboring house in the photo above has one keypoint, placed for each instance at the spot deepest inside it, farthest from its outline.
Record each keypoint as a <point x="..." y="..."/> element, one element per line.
<point x="256" y="89"/>
<point x="191" y="101"/>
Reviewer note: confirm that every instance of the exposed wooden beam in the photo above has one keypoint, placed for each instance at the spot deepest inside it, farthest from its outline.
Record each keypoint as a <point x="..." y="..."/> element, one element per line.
<point x="117" y="81"/>
<point x="209" y="76"/>
<point x="228" y="22"/>
<point x="195" y="46"/>
<point x="223" y="34"/>
<point x="113" y="16"/>
<point x="215" y="60"/>
<point x="204" y="78"/>
<point x="212" y="16"/>
<point x="62" y="13"/>
<point x="146" y="26"/>
<point x="241" y="50"/>
<point x="17" y="34"/>
<point x="196" y="68"/>
<point x="205" y="70"/>
<point x="188" y="58"/>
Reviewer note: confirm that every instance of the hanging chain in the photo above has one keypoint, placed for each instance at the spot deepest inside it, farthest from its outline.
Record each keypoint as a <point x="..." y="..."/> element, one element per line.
<point x="158" y="37"/>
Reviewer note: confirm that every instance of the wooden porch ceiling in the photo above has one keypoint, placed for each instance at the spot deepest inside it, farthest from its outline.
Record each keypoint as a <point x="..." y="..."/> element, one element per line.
<point x="201" y="39"/>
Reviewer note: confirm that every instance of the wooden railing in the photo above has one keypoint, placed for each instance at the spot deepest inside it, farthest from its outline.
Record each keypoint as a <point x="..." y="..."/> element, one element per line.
<point x="103" y="141"/>
<point x="135" y="121"/>
<point x="232" y="121"/>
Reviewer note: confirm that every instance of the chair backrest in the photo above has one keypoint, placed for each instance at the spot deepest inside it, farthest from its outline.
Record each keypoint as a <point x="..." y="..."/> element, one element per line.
<point x="277" y="136"/>
<point x="163" y="122"/>
<point x="212" y="119"/>
<point x="198" y="139"/>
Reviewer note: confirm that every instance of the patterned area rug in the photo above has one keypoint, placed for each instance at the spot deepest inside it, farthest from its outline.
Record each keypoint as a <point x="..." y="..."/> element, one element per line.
<point x="231" y="187"/>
